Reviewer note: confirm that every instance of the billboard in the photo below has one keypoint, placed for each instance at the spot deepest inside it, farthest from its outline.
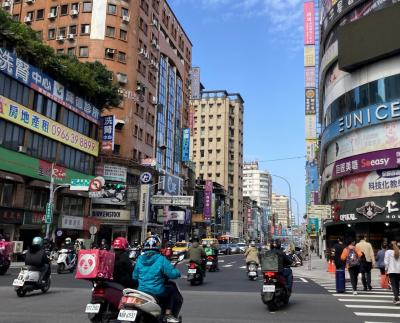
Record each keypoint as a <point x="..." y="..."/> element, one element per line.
<point x="311" y="147"/>
<point x="185" y="145"/>
<point x="378" y="137"/>
<point x="377" y="183"/>
<point x="36" y="122"/>
<point x="309" y="77"/>
<point x="208" y="188"/>
<point x="311" y="126"/>
<point x="310" y="100"/>
<point x="309" y="55"/>
<point x="107" y="143"/>
<point x="312" y="226"/>
<point x="112" y="173"/>
<point x="309" y="23"/>
<point x="195" y="83"/>
<point x="171" y="184"/>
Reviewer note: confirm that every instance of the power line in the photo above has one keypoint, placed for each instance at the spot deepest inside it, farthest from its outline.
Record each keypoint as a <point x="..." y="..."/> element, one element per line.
<point x="279" y="159"/>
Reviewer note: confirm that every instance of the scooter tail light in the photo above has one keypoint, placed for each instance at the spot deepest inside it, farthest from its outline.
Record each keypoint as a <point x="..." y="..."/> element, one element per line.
<point x="210" y="258"/>
<point x="126" y="301"/>
<point x="192" y="266"/>
<point x="99" y="291"/>
<point x="270" y="274"/>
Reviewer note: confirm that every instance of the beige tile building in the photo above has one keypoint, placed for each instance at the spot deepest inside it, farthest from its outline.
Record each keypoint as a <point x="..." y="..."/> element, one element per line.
<point x="217" y="146"/>
<point x="280" y="209"/>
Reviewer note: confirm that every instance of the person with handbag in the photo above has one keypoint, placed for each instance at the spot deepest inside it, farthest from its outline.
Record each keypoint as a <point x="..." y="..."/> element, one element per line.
<point x="392" y="266"/>
<point x="351" y="255"/>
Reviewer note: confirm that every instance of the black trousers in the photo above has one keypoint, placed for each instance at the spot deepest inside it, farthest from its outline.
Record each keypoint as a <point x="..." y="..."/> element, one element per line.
<point x="171" y="299"/>
<point x="366" y="274"/>
<point x="354" y="271"/>
<point x="395" y="282"/>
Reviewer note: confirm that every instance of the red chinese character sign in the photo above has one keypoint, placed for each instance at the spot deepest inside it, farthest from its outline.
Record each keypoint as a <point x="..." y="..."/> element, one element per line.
<point x="108" y="133"/>
<point x="309" y="23"/>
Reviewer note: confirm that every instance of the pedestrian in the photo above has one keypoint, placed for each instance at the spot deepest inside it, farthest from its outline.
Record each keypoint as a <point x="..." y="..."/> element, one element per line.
<point x="367" y="262"/>
<point x="380" y="262"/>
<point x="312" y="248"/>
<point x="351" y="256"/>
<point x="338" y="250"/>
<point x="392" y="266"/>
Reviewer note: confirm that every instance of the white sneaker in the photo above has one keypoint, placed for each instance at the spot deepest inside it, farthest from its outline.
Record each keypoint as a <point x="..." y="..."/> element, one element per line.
<point x="172" y="319"/>
<point x="355" y="292"/>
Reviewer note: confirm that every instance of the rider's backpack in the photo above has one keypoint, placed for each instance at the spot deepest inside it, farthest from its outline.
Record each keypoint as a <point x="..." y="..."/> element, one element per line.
<point x="352" y="258"/>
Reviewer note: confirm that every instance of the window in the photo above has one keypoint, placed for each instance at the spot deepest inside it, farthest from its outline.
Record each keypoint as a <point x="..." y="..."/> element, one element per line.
<point x="71" y="51"/>
<point x="15" y="17"/>
<point x="84" y="51"/>
<point x="60" y="51"/>
<point x="40" y="14"/>
<point x="87" y="7"/>
<point x="41" y="147"/>
<point x="109" y="53"/>
<point x="111" y="9"/>
<point x="73" y="29"/>
<point x="110" y="31"/>
<point x="29" y="15"/>
<point x="75" y="6"/>
<point x="85" y="29"/>
<point x="45" y="106"/>
<point x="122" y="57"/>
<point x="123" y="35"/>
<point x="6" y="193"/>
<point x="11" y="136"/>
<point x="51" y="34"/>
<point x="117" y="149"/>
<point x="53" y="11"/>
<point x="72" y="205"/>
<point x="64" y="10"/>
<point x="201" y="153"/>
<point x="62" y="31"/>
<point x="124" y="12"/>
<point x="36" y="199"/>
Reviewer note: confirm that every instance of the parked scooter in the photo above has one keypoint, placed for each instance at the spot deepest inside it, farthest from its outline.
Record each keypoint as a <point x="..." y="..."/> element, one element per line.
<point x="275" y="293"/>
<point x="30" y="279"/>
<point x="136" y="306"/>
<point x="66" y="261"/>
<point x="252" y="270"/>
<point x="195" y="274"/>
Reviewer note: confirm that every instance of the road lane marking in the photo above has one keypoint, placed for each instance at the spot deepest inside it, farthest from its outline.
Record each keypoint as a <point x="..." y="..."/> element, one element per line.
<point x="375" y="307"/>
<point x="221" y="260"/>
<point x="364" y="300"/>
<point x="365" y="292"/>
<point x="227" y="266"/>
<point x="303" y="280"/>
<point x="376" y="314"/>
<point x="376" y="296"/>
<point x="243" y="267"/>
<point x="376" y="322"/>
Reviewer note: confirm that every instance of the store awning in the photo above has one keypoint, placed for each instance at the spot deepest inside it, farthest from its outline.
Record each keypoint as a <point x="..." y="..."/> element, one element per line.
<point x="37" y="183"/>
<point x="11" y="177"/>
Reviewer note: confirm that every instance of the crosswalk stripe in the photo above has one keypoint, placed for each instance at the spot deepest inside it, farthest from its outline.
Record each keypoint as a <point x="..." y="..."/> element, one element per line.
<point x="227" y="266"/>
<point x="376" y="322"/>
<point x="349" y="295"/>
<point x="376" y="314"/>
<point x="366" y="292"/>
<point x="364" y="300"/>
<point x="374" y="307"/>
<point x="243" y="267"/>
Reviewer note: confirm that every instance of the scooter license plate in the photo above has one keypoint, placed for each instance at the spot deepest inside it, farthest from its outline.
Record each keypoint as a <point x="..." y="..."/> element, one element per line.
<point x="269" y="288"/>
<point x="252" y="273"/>
<point x="92" y="308"/>
<point x="192" y="271"/>
<point x="209" y="263"/>
<point x="127" y="315"/>
<point x="18" y="282"/>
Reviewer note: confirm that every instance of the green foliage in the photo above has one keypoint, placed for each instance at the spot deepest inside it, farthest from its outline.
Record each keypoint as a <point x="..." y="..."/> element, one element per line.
<point x="90" y="80"/>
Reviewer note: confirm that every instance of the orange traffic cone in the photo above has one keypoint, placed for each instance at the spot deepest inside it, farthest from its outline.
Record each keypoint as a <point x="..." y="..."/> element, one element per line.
<point x="331" y="267"/>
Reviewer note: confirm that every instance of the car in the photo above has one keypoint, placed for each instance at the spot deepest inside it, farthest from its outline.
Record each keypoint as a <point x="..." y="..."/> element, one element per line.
<point x="179" y="248"/>
<point x="233" y="248"/>
<point x="223" y="249"/>
<point x="242" y="247"/>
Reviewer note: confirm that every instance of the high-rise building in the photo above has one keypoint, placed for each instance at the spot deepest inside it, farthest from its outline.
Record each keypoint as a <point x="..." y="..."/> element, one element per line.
<point x="149" y="53"/>
<point x="257" y="184"/>
<point x="217" y="146"/>
<point x="359" y="102"/>
<point x="280" y="210"/>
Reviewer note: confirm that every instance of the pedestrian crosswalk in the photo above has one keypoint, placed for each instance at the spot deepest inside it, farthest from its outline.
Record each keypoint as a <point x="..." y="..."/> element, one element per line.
<point x="375" y="306"/>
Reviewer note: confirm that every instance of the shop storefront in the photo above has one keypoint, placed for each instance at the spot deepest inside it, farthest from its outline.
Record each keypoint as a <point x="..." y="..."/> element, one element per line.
<point x="378" y="218"/>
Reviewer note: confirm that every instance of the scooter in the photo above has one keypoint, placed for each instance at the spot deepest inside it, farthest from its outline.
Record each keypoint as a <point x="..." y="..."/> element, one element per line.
<point x="5" y="256"/>
<point x="195" y="274"/>
<point x="136" y="306"/>
<point x="211" y="266"/>
<point x="252" y="270"/>
<point x="63" y="263"/>
<point x="275" y="293"/>
<point x="30" y="279"/>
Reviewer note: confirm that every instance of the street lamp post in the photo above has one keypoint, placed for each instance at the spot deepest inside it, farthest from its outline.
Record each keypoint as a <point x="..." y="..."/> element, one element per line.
<point x="298" y="212"/>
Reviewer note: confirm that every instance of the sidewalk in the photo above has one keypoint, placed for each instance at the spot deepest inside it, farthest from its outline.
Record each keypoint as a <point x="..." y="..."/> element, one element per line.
<point x="319" y="272"/>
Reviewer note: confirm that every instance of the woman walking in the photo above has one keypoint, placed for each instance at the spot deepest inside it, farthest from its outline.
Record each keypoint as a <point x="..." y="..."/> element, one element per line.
<point x="380" y="262"/>
<point x="351" y="255"/>
<point x="392" y="264"/>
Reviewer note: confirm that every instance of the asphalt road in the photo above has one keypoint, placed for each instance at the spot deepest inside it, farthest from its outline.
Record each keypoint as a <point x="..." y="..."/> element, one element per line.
<point x="226" y="296"/>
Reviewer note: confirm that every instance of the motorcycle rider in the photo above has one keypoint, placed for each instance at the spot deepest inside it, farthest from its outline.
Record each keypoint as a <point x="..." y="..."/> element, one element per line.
<point x="104" y="245"/>
<point x="287" y="271"/>
<point x="123" y="267"/>
<point x="150" y="271"/>
<point x="70" y="247"/>
<point x="197" y="254"/>
<point x="211" y="250"/>
<point x="36" y="257"/>
<point x="251" y="254"/>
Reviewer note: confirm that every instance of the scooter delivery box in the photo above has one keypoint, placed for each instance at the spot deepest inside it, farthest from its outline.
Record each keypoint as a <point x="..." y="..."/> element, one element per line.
<point x="6" y="248"/>
<point x="95" y="264"/>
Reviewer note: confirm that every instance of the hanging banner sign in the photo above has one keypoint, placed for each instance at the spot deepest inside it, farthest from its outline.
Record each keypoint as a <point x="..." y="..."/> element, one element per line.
<point x="107" y="143"/>
<point x="309" y="23"/>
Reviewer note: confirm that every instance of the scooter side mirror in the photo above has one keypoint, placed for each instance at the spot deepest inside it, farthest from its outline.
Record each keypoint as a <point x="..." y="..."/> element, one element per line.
<point x="181" y="257"/>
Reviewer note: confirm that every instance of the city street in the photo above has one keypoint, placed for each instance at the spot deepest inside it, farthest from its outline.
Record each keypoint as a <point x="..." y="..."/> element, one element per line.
<point x="226" y="296"/>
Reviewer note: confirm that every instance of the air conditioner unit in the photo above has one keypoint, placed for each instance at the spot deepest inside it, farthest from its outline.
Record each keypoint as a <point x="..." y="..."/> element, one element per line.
<point x="71" y="36"/>
<point x="60" y="38"/>
<point x="154" y="42"/>
<point x="142" y="52"/>
<point x="139" y="87"/>
<point x="6" y="4"/>
<point x="154" y="23"/>
<point x="154" y="99"/>
<point x="122" y="78"/>
<point x="28" y="19"/>
<point x="22" y="149"/>
<point x="52" y="15"/>
<point x="146" y="55"/>
<point x="74" y="12"/>
<point x="110" y="51"/>
<point x="158" y="47"/>
<point x="30" y="1"/>
<point x="126" y="18"/>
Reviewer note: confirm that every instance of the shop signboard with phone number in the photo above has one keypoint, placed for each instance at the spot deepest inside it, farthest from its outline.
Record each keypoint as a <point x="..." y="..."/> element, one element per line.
<point x="27" y="118"/>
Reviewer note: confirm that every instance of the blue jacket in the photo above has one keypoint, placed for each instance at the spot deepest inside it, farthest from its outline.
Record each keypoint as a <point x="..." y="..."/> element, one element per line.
<point x="380" y="258"/>
<point x="151" y="269"/>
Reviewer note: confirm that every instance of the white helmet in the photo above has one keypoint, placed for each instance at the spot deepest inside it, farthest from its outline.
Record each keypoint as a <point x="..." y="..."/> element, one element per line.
<point x="252" y="244"/>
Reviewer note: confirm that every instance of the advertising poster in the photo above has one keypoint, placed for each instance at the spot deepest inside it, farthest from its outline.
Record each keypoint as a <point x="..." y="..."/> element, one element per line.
<point x="309" y="55"/>
<point x="310" y="101"/>
<point x="107" y="143"/>
<point x="311" y="126"/>
<point x="311" y="147"/>
<point x="171" y="184"/>
<point x="378" y="137"/>
<point x="208" y="188"/>
<point x="309" y="23"/>
<point x="309" y="77"/>
<point x="312" y="176"/>
<point x="312" y="226"/>
<point x="29" y="119"/>
<point x="195" y="84"/>
<point x="377" y="183"/>
<point x="185" y="145"/>
<point x="112" y="172"/>
<point x="114" y="194"/>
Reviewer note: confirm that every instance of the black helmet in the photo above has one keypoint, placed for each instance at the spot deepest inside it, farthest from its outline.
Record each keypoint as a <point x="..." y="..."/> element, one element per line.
<point x="275" y="244"/>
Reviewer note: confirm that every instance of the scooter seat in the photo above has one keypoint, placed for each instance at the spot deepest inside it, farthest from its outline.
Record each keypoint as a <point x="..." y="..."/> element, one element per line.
<point x="114" y="285"/>
<point x="133" y="292"/>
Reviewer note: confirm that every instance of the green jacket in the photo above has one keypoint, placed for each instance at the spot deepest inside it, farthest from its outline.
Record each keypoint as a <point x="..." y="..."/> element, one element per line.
<point x="196" y="253"/>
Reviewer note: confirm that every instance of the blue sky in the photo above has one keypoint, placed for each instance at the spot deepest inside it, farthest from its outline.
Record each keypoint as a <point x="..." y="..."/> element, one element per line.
<point x="255" y="47"/>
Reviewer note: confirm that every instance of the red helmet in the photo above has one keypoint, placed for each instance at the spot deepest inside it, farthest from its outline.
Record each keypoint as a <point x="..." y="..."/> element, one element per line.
<point x="120" y="243"/>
